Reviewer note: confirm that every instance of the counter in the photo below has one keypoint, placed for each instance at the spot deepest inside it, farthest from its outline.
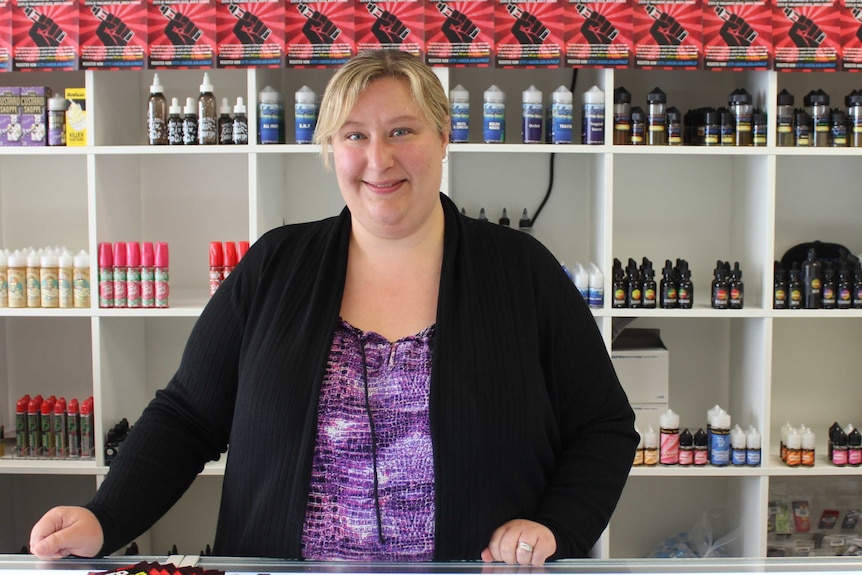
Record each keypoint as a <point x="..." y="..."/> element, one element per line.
<point x="27" y="565"/>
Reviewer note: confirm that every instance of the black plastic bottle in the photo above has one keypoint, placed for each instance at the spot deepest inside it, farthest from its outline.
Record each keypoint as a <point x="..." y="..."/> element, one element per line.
<point x="701" y="443"/>
<point x="685" y="291"/>
<point x="638" y="136"/>
<point x="779" y="286"/>
<point x="736" y="288"/>
<point x="795" y="293"/>
<point x="828" y="287"/>
<point x="686" y="448"/>
<point x="668" y="299"/>
<point x="844" y="287"/>
<point x="719" y="287"/>
<point x="619" y="286"/>
<point x="812" y="281"/>
<point x="857" y="287"/>
<point x="648" y="291"/>
<point x="634" y="295"/>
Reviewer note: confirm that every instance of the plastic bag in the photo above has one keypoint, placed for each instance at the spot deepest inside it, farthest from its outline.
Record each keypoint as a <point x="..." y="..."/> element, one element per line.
<point x="709" y="537"/>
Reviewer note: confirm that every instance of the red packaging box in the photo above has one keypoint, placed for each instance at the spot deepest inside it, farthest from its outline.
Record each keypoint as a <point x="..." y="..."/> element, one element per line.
<point x="318" y="34"/>
<point x="598" y="34"/>
<point x="851" y="34"/>
<point x="250" y="34"/>
<point x="398" y="25"/>
<point x="737" y="35"/>
<point x="668" y="35"/>
<point x="459" y="33"/>
<point x="45" y="35"/>
<point x="181" y="34"/>
<point x="806" y="36"/>
<point x="5" y="35"/>
<point x="113" y="34"/>
<point x="528" y="34"/>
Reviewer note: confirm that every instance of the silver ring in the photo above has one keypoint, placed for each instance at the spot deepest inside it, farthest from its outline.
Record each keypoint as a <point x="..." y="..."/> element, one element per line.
<point x="524" y="546"/>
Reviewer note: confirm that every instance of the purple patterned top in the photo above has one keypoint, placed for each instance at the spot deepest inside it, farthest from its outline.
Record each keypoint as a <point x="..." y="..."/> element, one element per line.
<point x="341" y="521"/>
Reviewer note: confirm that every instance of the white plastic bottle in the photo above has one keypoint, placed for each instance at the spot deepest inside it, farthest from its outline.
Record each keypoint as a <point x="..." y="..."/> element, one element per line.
<point x="597" y="287"/>
<point x="34" y="278"/>
<point x="532" y="115"/>
<point x="737" y="445"/>
<point x="561" y="116"/>
<point x="582" y="280"/>
<point x="270" y="116"/>
<point x="593" y="116"/>
<point x="4" y="284"/>
<point x="494" y="116"/>
<point x="81" y="279"/>
<point x="752" y="447"/>
<point x="669" y="438"/>
<point x="65" y="279"/>
<point x="459" y="112"/>
<point x="719" y="446"/>
<point x="305" y="114"/>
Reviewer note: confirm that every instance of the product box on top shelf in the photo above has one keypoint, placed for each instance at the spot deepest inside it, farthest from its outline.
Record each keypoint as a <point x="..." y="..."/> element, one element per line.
<point x="5" y="35"/>
<point x="528" y="33"/>
<point x="181" y="34"/>
<point x="598" y="34"/>
<point x="642" y="363"/>
<point x="459" y="32"/>
<point x="113" y="34"/>
<point x="851" y="34"/>
<point x="737" y="35"/>
<point x="76" y="117"/>
<point x="250" y="34"/>
<point x="398" y="25"/>
<point x="45" y="35"/>
<point x="11" y="131"/>
<point x="668" y="35"/>
<point x="33" y="118"/>
<point x="318" y="34"/>
<point x="806" y="35"/>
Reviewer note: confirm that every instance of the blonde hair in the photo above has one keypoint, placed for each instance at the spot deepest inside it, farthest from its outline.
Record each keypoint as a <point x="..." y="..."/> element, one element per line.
<point x="351" y="80"/>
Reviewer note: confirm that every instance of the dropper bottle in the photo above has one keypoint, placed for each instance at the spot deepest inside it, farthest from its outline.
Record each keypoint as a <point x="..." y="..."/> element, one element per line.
<point x="207" y="118"/>
<point x="225" y="124"/>
<point x="157" y="114"/>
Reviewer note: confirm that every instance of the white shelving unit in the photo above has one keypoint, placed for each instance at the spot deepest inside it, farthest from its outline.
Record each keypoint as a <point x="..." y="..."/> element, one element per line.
<point x="701" y="204"/>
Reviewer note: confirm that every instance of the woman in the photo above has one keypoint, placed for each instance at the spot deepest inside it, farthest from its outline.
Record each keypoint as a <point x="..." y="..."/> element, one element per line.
<point x="396" y="383"/>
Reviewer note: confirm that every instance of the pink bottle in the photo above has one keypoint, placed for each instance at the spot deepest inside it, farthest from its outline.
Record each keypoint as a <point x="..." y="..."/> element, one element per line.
<point x="133" y="274"/>
<point x="120" y="258"/>
<point x="106" y="275"/>
<point x="148" y="285"/>
<point x="161" y="275"/>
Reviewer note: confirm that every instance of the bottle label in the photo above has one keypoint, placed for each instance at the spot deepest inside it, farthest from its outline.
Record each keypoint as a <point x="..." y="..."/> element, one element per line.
<point x="669" y="448"/>
<point x="162" y="287"/>
<point x="207" y="130"/>
<point x="533" y="115"/>
<point x="719" y="443"/>
<point x="306" y="121"/>
<point x="156" y="129"/>
<point x="561" y="123"/>
<point x="752" y="457"/>
<point x="593" y="125"/>
<point x="239" y="132"/>
<point x="493" y="123"/>
<point x="175" y="131"/>
<point x="270" y="117"/>
<point x="460" y="123"/>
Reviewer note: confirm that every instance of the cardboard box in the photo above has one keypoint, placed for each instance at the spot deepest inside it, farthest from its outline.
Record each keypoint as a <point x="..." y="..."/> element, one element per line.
<point x="113" y="34"/>
<point x="528" y="33"/>
<point x="76" y="117"/>
<point x="318" y="34"/>
<point x="459" y="33"/>
<point x="398" y="25"/>
<point x="45" y="35"/>
<point x="250" y="34"/>
<point x="641" y="361"/>
<point x="181" y="34"/>
<point x="668" y="36"/>
<point x="11" y="131"/>
<point x="34" y="122"/>
<point x="598" y="34"/>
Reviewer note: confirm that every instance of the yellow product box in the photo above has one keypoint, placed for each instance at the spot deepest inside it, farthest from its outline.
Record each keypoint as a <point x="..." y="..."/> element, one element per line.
<point x="76" y="117"/>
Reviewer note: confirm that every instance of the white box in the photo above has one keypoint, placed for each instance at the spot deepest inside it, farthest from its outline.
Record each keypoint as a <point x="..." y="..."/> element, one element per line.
<point x="647" y="414"/>
<point x="641" y="361"/>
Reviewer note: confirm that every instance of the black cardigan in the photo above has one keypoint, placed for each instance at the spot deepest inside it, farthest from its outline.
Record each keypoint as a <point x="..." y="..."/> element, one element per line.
<point x="528" y="419"/>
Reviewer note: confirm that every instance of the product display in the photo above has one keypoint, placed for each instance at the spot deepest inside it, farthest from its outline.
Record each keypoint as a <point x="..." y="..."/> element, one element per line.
<point x="133" y="275"/>
<point x="44" y="278"/>
<point x="52" y="428"/>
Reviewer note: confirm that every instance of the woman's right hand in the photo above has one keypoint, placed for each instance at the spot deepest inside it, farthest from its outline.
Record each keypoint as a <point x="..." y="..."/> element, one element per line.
<point x="65" y="531"/>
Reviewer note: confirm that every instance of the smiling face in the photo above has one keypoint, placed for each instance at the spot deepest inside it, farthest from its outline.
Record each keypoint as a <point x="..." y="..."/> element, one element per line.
<point x="388" y="161"/>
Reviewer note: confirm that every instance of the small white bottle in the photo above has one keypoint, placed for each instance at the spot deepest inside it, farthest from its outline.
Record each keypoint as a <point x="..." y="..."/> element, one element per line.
<point x="16" y="279"/>
<point x="240" y="123"/>
<point x="494" y="116"/>
<point x="737" y="445"/>
<point x="532" y="115"/>
<point x="752" y="447"/>
<point x="561" y="116"/>
<point x="34" y="278"/>
<point x="305" y="114"/>
<point x="459" y="112"/>
<point x="65" y="279"/>
<point x="81" y="279"/>
<point x="582" y="280"/>
<point x="650" y="447"/>
<point x="719" y="446"/>
<point x="596" y="298"/>
<point x="669" y="438"/>
<point x="593" y="117"/>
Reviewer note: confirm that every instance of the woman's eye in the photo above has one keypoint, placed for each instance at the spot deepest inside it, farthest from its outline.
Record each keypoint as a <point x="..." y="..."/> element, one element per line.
<point x="353" y="137"/>
<point x="401" y="132"/>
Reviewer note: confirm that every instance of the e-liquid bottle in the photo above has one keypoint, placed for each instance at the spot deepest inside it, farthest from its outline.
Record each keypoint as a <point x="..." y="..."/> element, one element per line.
<point x="828" y="290"/>
<point x="720" y="294"/>
<point x="73" y="420"/>
<point x="207" y="114"/>
<point x="239" y="126"/>
<point x="34" y="280"/>
<point x="685" y="289"/>
<point x="634" y="285"/>
<point x="806" y="455"/>
<point x="779" y="286"/>
<point x="651" y="447"/>
<point x="674" y="127"/>
<point x="161" y="276"/>
<point x="711" y="128"/>
<point x="175" y="123"/>
<point x="148" y="278"/>
<point x="81" y="280"/>
<point x="795" y="294"/>
<point x="270" y="116"/>
<point x="305" y="114"/>
<point x="686" y="448"/>
<point x="821" y="122"/>
<point x="752" y="447"/>
<point x="784" y="120"/>
<point x="133" y="274"/>
<point x="854" y="447"/>
<point x="638" y="133"/>
<point x="459" y="112"/>
<point x="838" y="129"/>
<point x="532" y="115"/>
<point x="833" y="429"/>
<point x="719" y="445"/>
<point x="812" y="278"/>
<point x="494" y="116"/>
<point x="736" y="288"/>
<point x="656" y="118"/>
<point x="793" y="456"/>
<point x="618" y="285"/>
<point x="596" y="297"/>
<point x="802" y="128"/>
<point x="49" y="280"/>
<point x="157" y="114"/>
<point x="190" y="123"/>
<point x="106" y="275"/>
<point x="727" y="127"/>
<point x="648" y="286"/>
<point x="854" y="116"/>
<point x="216" y="273"/>
<point x="844" y="288"/>
<point x="760" y="127"/>
<point x="857" y="287"/>
<point x="669" y="438"/>
<point x="737" y="446"/>
<point x="61" y="439"/>
<point x="57" y="106"/>
<point x="740" y="104"/>
<point x="225" y="124"/>
<point x="121" y="297"/>
<point x="839" y="448"/>
<point x="65" y="279"/>
<point x="668" y="287"/>
<point x="622" y="117"/>
<point x="639" y="451"/>
<point x="701" y="456"/>
<point x="593" y="116"/>
<point x="561" y="116"/>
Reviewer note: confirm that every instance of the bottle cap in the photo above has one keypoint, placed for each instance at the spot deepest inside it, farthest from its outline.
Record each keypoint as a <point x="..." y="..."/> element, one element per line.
<point x="494" y="94"/>
<point x="305" y="95"/>
<point x="133" y="254"/>
<point x="65" y="260"/>
<point x="60" y="406"/>
<point x="22" y="404"/>
<point x="230" y="257"/>
<point x="531" y="95"/>
<point x="175" y="107"/>
<point x="739" y="96"/>
<point x="58" y="103"/>
<point x="239" y="108"/>
<point x="622" y="96"/>
<point x="669" y="419"/>
<point x="162" y="258"/>
<point x="148" y="256"/>
<point x="785" y="98"/>
<point x="49" y="259"/>
<point x="504" y="218"/>
<point x="268" y="95"/>
<point x="242" y="249"/>
<point x="216" y="255"/>
<point x="593" y="96"/>
<point x="86" y="407"/>
<point x="459" y="94"/>
<point x="656" y="96"/>
<point x="224" y="108"/>
<point x="120" y="255"/>
<point x="191" y="107"/>
<point x="106" y="256"/>
<point x="156" y="87"/>
<point x="561" y="95"/>
<point x="73" y="406"/>
<point x="47" y="408"/>
<point x="206" y="85"/>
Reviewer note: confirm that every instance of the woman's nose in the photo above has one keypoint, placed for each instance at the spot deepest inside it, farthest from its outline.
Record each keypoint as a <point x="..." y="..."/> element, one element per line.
<point x="380" y="154"/>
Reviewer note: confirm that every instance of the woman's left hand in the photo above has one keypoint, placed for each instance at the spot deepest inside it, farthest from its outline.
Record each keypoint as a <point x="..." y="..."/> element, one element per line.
<point x="520" y="542"/>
